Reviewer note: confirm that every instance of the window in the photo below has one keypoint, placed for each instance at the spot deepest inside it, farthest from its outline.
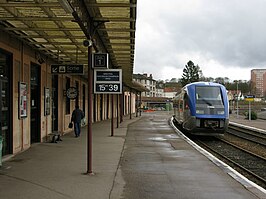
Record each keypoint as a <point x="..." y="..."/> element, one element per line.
<point x="208" y="95"/>
<point x="213" y="93"/>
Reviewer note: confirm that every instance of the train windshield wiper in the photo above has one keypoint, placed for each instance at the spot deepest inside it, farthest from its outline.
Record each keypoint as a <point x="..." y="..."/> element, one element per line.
<point x="206" y="102"/>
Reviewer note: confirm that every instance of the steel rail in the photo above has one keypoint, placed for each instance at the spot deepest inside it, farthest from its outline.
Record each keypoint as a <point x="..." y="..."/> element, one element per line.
<point x="232" y="161"/>
<point x="252" y="136"/>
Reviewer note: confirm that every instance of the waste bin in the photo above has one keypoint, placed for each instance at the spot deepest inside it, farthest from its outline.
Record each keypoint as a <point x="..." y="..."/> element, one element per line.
<point x="1" y="146"/>
<point x="167" y="107"/>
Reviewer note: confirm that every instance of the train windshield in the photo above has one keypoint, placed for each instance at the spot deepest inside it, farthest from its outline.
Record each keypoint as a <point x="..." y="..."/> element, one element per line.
<point x="208" y="95"/>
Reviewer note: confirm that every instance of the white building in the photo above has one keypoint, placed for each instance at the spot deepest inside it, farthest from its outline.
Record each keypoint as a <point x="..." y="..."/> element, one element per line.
<point x="148" y="82"/>
<point x="170" y="92"/>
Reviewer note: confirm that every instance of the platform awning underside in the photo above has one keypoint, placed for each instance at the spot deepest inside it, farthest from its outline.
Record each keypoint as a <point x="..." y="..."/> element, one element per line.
<point x="57" y="29"/>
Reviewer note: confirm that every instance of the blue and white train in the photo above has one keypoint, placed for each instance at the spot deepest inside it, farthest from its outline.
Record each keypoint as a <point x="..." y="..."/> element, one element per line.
<point x="202" y="108"/>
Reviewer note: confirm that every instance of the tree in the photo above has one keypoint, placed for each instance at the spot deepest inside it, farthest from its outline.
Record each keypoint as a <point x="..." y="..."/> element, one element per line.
<point x="174" y="80"/>
<point x="243" y="86"/>
<point x="160" y="84"/>
<point x="191" y="73"/>
<point x="220" y="80"/>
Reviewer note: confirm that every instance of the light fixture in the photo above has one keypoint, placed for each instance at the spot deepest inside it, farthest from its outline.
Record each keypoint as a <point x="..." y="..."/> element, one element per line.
<point x="87" y="43"/>
<point x="66" y="5"/>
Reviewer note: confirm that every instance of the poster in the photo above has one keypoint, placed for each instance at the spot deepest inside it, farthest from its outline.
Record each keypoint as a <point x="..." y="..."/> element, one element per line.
<point x="46" y="101"/>
<point x="22" y="100"/>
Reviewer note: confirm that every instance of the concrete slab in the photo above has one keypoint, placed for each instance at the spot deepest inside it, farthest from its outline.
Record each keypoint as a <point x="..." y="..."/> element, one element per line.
<point x="157" y="163"/>
<point x="144" y="159"/>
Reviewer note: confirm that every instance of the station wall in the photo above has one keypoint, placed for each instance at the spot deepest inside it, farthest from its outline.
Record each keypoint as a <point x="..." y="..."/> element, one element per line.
<point x="21" y="130"/>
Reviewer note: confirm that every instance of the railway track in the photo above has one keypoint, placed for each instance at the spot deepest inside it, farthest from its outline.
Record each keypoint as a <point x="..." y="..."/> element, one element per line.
<point x="253" y="141"/>
<point x="249" y="164"/>
<point x="242" y="149"/>
<point x="257" y="137"/>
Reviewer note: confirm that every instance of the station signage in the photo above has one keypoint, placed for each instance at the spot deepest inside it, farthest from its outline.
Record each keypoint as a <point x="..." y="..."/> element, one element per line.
<point x="108" y="81"/>
<point x="108" y="75"/>
<point x="76" y="69"/>
<point x="249" y="98"/>
<point x="107" y="87"/>
<point x="100" y="60"/>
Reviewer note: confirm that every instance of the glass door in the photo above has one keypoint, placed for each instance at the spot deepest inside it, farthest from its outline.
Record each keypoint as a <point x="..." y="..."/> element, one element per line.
<point x="4" y="103"/>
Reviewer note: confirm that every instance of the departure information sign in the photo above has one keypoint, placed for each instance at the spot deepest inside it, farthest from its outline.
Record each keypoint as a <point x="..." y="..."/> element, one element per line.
<point x="107" y="87"/>
<point x="107" y="75"/>
<point x="108" y="81"/>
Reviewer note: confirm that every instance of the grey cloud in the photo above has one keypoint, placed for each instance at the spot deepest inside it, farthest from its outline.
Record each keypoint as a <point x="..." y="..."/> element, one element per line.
<point x="233" y="33"/>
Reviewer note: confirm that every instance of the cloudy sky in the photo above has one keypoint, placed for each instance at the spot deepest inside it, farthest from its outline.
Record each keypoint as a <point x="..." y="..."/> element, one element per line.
<point x="226" y="38"/>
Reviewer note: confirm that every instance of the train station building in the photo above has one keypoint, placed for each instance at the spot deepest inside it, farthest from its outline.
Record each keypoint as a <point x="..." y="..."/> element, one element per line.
<point x="37" y="37"/>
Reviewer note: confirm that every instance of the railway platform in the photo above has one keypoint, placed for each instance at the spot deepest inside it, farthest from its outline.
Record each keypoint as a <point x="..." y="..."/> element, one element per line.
<point x="259" y="124"/>
<point x="145" y="158"/>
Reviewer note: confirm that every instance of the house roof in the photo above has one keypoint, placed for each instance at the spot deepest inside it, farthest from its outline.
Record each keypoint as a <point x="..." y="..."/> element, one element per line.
<point x="171" y="89"/>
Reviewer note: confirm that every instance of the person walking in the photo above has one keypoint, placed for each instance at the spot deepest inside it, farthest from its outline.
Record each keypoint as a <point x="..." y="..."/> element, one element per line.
<point x="77" y="116"/>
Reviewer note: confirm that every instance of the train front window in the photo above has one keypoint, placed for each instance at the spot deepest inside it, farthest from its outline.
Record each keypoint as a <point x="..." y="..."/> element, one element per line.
<point x="208" y="95"/>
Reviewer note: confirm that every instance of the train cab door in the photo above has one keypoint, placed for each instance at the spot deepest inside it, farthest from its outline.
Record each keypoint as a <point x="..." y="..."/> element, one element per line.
<point x="186" y="112"/>
<point x="181" y="110"/>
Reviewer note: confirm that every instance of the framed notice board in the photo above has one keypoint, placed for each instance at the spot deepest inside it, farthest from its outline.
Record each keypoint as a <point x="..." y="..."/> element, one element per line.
<point x="23" y="102"/>
<point x="47" y="101"/>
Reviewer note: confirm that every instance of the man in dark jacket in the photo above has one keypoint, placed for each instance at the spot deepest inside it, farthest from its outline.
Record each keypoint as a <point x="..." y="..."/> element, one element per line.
<point x="77" y="116"/>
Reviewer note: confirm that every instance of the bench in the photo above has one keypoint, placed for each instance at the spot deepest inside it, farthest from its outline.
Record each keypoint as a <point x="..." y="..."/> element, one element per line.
<point x="56" y="136"/>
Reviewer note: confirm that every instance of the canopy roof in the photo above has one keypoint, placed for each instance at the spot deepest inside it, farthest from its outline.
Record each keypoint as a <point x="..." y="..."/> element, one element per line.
<point x="57" y="28"/>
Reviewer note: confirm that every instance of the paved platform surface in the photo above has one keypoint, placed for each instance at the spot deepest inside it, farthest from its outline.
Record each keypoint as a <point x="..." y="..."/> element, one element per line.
<point x="56" y="170"/>
<point x="144" y="159"/>
<point x="260" y="123"/>
<point x="157" y="163"/>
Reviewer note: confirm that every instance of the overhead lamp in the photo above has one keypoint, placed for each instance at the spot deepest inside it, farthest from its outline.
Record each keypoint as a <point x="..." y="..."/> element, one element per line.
<point x="87" y="43"/>
<point x="66" y="5"/>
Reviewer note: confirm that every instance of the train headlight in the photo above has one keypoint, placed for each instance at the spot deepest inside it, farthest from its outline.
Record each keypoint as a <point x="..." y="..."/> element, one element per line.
<point x="200" y="111"/>
<point x="220" y="112"/>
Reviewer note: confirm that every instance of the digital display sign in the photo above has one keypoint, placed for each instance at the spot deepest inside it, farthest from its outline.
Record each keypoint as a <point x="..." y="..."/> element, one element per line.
<point x="108" y="81"/>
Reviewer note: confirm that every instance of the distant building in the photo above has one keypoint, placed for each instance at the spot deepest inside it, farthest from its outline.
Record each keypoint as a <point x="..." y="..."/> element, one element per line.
<point x="235" y="95"/>
<point x="159" y="92"/>
<point x="159" y="89"/>
<point x="148" y="82"/>
<point x="171" y="92"/>
<point x="258" y="81"/>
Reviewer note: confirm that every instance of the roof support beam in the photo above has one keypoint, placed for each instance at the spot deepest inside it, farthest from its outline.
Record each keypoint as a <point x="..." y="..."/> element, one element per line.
<point x="28" y="4"/>
<point x="15" y="18"/>
<point x="112" y="5"/>
<point x="41" y="29"/>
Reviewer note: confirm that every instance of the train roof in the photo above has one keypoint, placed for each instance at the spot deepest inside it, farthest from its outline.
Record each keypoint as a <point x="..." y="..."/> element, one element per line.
<point x="191" y="86"/>
<point x="203" y="84"/>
